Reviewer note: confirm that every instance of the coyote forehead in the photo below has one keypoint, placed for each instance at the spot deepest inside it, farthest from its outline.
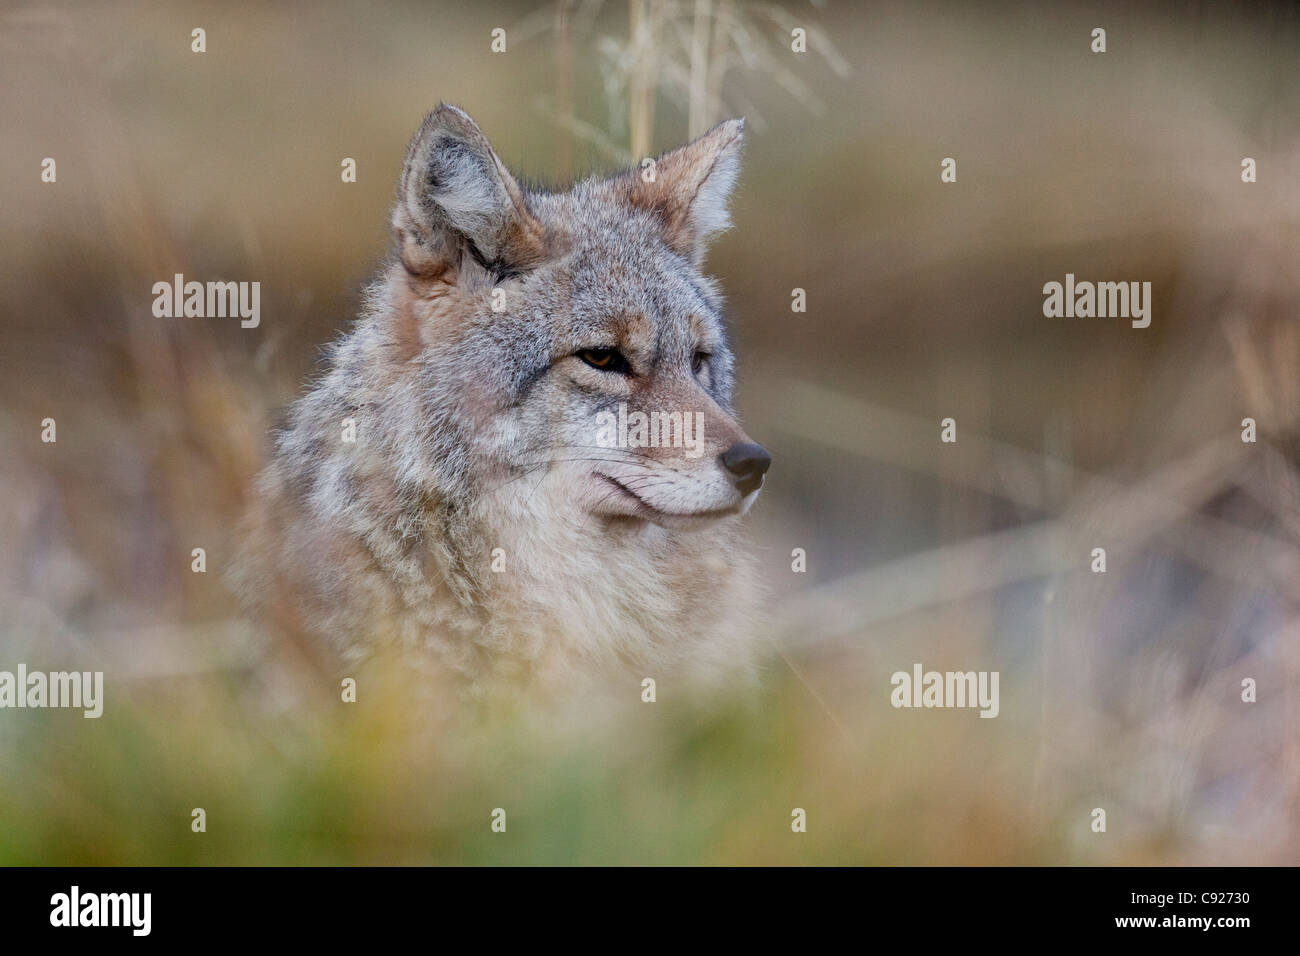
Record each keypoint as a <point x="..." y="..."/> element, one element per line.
<point x="453" y="482"/>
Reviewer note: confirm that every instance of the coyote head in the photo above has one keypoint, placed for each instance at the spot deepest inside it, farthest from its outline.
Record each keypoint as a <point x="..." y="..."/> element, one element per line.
<point x="570" y="335"/>
<point x="539" y="385"/>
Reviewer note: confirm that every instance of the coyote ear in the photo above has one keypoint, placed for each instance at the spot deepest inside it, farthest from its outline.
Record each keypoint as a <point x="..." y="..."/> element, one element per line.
<point x="456" y="197"/>
<point x="691" y="187"/>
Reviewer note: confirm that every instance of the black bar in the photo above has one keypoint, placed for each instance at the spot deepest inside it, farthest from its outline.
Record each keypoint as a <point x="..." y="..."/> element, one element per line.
<point x="977" y="905"/>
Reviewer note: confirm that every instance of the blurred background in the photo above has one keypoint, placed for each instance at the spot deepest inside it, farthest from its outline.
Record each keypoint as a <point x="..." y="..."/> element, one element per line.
<point x="1119" y="690"/>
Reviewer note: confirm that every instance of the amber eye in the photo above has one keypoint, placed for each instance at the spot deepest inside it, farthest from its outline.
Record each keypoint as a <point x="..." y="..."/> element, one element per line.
<point x="699" y="361"/>
<point x="607" y="360"/>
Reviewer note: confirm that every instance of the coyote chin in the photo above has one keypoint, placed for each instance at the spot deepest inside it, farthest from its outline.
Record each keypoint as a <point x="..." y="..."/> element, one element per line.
<point x="442" y="487"/>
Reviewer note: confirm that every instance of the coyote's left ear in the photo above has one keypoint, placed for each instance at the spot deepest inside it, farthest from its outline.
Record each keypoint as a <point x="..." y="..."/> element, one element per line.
<point x="457" y="199"/>
<point x="690" y="187"/>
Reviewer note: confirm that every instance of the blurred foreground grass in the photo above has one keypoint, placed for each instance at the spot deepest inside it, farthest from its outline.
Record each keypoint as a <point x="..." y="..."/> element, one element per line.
<point x="373" y="782"/>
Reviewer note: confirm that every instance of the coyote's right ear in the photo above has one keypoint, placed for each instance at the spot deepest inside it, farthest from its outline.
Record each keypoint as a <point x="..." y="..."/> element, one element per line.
<point x="456" y="198"/>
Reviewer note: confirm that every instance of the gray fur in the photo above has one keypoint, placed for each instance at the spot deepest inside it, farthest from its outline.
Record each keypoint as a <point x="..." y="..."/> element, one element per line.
<point x="474" y="432"/>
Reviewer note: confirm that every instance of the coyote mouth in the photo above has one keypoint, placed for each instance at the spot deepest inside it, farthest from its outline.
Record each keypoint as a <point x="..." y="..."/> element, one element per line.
<point x="651" y="512"/>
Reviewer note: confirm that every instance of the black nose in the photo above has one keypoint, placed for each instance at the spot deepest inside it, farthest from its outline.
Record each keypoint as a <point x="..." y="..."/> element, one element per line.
<point x="747" y="462"/>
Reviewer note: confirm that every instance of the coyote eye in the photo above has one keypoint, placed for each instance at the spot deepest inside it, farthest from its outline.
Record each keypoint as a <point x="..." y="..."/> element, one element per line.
<point x="698" y="362"/>
<point x="607" y="360"/>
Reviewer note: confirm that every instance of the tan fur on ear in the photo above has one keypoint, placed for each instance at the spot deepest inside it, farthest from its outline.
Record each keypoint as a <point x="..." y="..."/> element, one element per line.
<point x="691" y="187"/>
<point x="456" y="197"/>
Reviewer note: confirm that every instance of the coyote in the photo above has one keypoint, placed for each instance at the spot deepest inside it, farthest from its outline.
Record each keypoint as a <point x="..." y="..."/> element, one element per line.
<point x="441" y="487"/>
